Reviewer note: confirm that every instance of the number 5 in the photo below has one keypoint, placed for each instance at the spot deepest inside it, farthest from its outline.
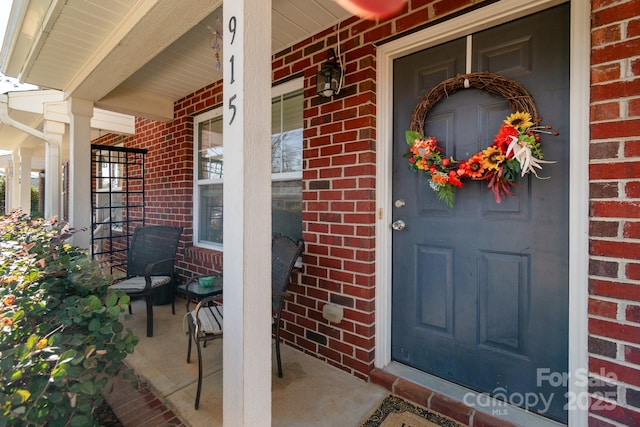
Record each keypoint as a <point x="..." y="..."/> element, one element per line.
<point x="232" y="108"/>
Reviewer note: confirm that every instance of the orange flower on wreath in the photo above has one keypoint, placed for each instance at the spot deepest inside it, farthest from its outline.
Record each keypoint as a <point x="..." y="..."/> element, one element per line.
<point x="474" y="167"/>
<point x="503" y="138"/>
<point x="455" y="180"/>
<point x="440" y="178"/>
<point x="424" y="147"/>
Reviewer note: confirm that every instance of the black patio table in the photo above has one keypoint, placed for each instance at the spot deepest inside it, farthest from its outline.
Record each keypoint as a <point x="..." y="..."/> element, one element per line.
<point x="194" y="290"/>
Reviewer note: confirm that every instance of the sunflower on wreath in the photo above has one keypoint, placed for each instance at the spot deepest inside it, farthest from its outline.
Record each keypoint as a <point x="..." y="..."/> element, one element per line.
<point x="515" y="151"/>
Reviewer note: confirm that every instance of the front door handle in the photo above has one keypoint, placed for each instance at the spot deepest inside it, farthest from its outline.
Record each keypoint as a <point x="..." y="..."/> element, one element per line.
<point x="398" y="225"/>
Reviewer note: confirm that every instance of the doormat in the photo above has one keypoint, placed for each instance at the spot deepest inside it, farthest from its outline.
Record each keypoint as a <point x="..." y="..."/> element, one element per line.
<point x="394" y="411"/>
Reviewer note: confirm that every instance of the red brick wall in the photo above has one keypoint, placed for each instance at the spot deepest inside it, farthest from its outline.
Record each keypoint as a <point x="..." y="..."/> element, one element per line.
<point x="614" y="268"/>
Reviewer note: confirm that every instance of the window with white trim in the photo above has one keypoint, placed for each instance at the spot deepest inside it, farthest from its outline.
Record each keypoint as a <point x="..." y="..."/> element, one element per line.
<point x="286" y="167"/>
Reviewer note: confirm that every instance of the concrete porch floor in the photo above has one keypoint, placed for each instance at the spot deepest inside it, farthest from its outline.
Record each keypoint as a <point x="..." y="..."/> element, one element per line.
<point x="311" y="392"/>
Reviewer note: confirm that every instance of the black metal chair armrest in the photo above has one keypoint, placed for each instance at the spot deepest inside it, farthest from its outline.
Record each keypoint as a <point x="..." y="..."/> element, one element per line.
<point x="207" y="301"/>
<point x="189" y="282"/>
<point x="154" y="268"/>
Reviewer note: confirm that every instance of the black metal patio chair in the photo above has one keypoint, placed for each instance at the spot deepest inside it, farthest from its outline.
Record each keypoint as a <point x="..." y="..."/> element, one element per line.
<point x="150" y="266"/>
<point x="206" y="320"/>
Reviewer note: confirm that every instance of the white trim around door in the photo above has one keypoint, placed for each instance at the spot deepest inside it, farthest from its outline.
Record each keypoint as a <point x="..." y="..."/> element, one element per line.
<point x="460" y="26"/>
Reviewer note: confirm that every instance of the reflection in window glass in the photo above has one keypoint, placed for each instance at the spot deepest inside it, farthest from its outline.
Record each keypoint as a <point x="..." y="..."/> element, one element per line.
<point x="210" y="229"/>
<point x="286" y="208"/>
<point x="210" y="149"/>
<point x="286" y="133"/>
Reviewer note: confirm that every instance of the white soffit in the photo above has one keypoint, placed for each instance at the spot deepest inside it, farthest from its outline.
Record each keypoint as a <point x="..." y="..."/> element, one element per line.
<point x="137" y="56"/>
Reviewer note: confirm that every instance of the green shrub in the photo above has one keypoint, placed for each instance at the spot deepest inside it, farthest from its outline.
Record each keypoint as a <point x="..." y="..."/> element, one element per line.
<point x="61" y="336"/>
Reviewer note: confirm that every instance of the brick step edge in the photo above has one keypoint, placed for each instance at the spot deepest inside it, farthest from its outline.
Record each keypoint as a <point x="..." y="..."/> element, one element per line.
<point x="138" y="406"/>
<point x="437" y="402"/>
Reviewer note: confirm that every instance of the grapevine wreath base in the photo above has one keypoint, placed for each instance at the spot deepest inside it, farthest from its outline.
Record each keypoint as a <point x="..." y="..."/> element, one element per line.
<point x="515" y="151"/>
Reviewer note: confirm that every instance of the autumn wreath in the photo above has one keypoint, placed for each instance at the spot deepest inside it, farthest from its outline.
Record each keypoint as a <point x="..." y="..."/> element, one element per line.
<point x="514" y="152"/>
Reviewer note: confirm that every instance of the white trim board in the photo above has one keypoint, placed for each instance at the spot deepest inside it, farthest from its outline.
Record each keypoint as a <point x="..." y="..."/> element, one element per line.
<point x="460" y="26"/>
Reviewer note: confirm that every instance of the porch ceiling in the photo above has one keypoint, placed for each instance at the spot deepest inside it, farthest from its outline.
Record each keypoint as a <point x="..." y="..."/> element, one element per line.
<point x="136" y="57"/>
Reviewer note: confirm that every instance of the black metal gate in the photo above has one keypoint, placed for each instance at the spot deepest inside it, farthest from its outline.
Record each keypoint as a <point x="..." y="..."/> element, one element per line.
<point x="117" y="202"/>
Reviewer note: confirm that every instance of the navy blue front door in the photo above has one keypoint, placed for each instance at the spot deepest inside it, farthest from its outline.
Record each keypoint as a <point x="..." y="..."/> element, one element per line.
<point x="480" y="291"/>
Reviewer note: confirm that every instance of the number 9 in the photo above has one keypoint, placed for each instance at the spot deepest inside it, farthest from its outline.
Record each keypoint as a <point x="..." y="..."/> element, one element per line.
<point x="232" y="28"/>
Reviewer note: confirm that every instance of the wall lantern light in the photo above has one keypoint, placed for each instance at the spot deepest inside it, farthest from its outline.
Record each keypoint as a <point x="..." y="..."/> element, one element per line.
<point x="329" y="78"/>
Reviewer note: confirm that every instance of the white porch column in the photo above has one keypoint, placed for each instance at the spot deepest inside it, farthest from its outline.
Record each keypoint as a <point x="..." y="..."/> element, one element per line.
<point x="80" y="113"/>
<point x="24" y="179"/>
<point x="13" y="186"/>
<point x="52" y="178"/>
<point x="247" y="213"/>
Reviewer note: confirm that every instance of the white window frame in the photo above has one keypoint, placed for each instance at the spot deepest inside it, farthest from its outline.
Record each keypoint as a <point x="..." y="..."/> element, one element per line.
<point x="276" y="91"/>
<point x="197" y="183"/>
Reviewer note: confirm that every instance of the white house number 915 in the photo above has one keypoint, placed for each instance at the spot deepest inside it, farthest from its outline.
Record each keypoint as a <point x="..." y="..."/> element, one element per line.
<point x="232" y="98"/>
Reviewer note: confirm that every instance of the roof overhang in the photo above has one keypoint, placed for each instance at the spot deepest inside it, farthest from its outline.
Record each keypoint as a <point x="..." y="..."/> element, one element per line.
<point x="137" y="57"/>
<point x="30" y="109"/>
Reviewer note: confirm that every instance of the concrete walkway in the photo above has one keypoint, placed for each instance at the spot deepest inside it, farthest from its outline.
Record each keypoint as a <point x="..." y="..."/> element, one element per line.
<point x="311" y="393"/>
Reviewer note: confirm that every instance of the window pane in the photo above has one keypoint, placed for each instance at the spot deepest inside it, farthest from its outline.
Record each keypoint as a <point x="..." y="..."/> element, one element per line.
<point x="286" y="142"/>
<point x="276" y="115"/>
<point x="286" y="205"/>
<point x="291" y="151"/>
<point x="210" y="213"/>
<point x="292" y="110"/>
<point x="276" y="153"/>
<point x="286" y="133"/>
<point x="210" y="149"/>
